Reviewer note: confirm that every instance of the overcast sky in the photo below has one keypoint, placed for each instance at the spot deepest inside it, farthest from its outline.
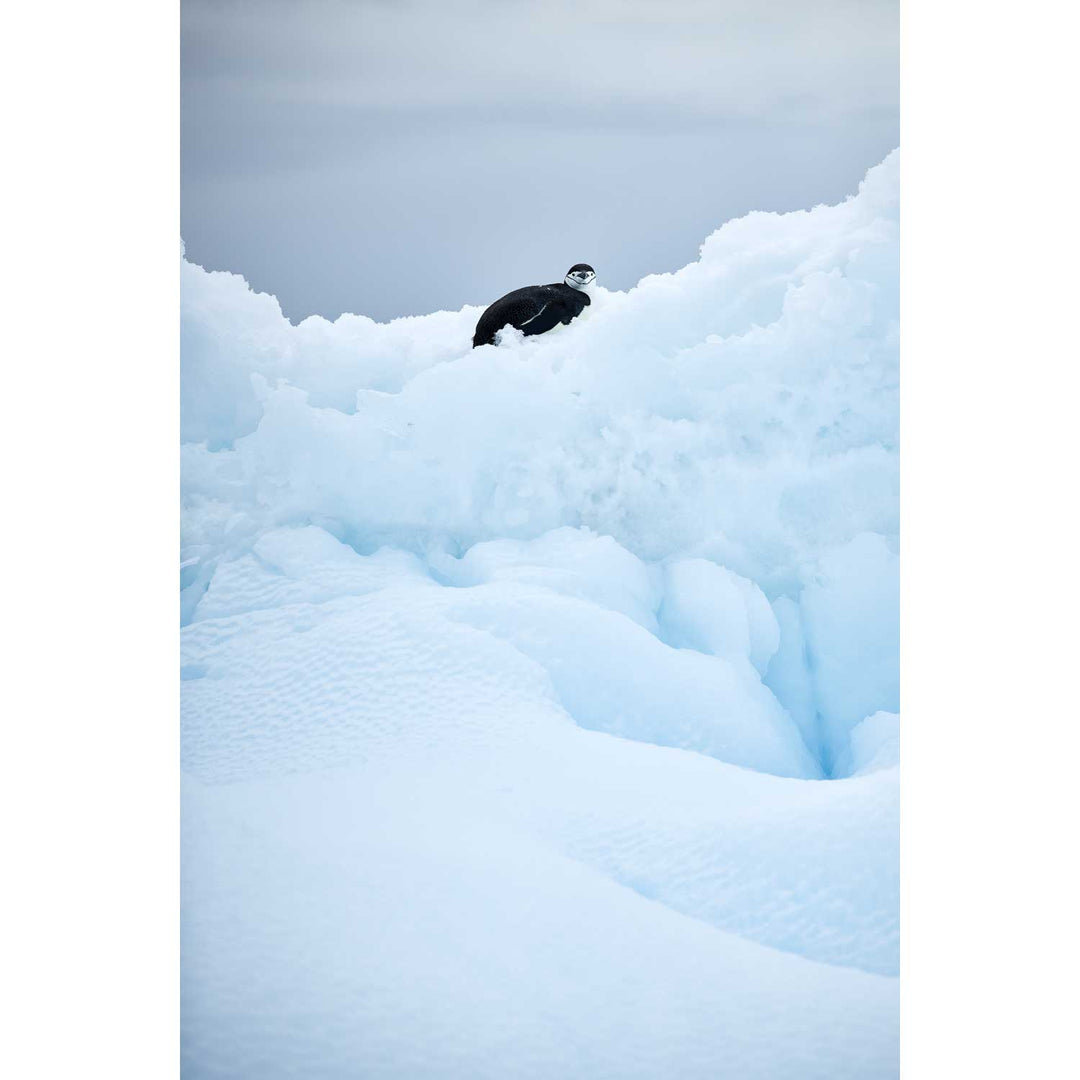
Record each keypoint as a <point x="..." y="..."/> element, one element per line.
<point x="391" y="157"/>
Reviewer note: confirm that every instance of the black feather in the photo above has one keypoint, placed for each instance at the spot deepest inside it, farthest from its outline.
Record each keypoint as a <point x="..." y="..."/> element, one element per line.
<point x="533" y="310"/>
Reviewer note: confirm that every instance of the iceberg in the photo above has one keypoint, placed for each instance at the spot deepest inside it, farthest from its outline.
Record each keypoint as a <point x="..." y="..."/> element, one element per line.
<point x="540" y="701"/>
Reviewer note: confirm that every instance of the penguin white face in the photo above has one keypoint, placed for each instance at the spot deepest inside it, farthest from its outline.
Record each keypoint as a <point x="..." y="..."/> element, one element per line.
<point x="580" y="276"/>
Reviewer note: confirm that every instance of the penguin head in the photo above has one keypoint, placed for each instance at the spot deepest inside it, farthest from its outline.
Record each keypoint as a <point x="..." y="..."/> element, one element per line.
<point x="580" y="276"/>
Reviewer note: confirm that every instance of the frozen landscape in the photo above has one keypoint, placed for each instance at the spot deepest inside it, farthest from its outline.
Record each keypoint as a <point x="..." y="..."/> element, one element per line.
<point x="540" y="701"/>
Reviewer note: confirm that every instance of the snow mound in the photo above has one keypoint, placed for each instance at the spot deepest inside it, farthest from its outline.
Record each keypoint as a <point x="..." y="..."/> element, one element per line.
<point x="511" y="675"/>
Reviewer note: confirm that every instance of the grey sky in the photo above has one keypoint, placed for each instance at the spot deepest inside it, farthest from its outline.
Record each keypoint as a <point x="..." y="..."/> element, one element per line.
<point x="394" y="158"/>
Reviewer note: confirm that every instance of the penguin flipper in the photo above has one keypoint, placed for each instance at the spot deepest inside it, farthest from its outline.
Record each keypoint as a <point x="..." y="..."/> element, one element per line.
<point x="518" y="309"/>
<point x="547" y="318"/>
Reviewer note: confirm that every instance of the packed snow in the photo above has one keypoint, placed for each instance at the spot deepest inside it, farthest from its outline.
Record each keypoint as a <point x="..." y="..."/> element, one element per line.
<point x="540" y="701"/>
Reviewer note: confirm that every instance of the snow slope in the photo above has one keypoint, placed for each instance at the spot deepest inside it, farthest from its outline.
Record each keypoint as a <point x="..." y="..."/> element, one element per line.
<point x="539" y="701"/>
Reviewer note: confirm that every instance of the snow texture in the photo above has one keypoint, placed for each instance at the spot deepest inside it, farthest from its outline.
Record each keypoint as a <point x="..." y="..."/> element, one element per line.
<point x="540" y="701"/>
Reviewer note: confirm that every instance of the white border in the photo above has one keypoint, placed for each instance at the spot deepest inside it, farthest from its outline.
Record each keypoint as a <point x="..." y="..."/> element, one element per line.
<point x="90" y="428"/>
<point x="989" y="600"/>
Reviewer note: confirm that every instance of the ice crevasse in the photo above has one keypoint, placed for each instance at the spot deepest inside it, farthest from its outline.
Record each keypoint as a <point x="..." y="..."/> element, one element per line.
<point x="540" y="701"/>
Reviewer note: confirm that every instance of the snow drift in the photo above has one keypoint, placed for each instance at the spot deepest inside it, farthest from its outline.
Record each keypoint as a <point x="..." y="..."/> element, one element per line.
<point x="512" y="675"/>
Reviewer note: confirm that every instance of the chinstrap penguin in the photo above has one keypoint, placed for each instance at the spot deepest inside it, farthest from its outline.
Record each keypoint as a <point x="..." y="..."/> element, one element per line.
<point x="538" y="308"/>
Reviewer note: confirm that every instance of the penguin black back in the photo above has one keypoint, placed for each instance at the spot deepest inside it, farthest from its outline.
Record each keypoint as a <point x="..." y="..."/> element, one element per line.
<point x="537" y="309"/>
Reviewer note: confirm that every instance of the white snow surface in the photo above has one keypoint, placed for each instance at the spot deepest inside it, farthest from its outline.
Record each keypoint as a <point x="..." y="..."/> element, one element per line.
<point x="540" y="701"/>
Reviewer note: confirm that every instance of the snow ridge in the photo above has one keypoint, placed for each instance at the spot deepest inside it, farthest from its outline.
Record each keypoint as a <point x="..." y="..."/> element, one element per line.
<point x="511" y="675"/>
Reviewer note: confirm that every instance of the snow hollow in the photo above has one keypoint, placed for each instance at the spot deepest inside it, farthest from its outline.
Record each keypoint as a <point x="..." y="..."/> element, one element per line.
<point x="540" y="701"/>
